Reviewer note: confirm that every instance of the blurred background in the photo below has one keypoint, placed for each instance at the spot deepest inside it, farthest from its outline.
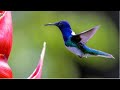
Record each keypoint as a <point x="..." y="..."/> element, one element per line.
<point x="29" y="33"/>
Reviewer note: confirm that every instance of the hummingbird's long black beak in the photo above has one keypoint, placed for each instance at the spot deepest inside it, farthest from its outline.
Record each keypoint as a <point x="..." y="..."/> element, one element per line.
<point x="50" y="24"/>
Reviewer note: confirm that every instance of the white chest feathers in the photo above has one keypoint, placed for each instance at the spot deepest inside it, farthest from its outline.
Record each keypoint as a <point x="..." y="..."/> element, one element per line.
<point x="73" y="33"/>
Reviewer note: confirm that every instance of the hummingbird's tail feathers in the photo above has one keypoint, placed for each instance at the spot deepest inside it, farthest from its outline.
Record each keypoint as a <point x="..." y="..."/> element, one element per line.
<point x="100" y="53"/>
<point x="88" y="55"/>
<point x="109" y="56"/>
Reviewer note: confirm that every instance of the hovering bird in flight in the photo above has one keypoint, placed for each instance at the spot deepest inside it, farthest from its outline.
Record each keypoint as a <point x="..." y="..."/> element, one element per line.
<point x="76" y="43"/>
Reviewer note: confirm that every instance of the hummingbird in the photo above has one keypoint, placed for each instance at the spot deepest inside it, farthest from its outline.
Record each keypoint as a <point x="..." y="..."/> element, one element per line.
<point x="76" y="43"/>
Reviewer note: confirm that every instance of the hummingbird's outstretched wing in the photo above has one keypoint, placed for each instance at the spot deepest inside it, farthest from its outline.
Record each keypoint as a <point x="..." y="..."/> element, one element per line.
<point x="84" y="36"/>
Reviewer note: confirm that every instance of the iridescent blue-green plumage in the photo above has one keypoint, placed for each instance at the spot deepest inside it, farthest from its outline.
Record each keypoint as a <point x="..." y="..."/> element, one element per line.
<point x="76" y="42"/>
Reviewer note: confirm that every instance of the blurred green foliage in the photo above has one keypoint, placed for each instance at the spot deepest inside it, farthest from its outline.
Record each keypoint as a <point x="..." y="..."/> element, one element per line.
<point x="29" y="33"/>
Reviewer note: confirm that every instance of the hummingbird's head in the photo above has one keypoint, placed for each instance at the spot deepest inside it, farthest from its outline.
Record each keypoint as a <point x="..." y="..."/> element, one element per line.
<point x="61" y="24"/>
<point x="64" y="28"/>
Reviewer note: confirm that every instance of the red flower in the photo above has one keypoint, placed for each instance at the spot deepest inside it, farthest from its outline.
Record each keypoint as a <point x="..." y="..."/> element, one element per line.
<point x="5" y="33"/>
<point x="6" y="45"/>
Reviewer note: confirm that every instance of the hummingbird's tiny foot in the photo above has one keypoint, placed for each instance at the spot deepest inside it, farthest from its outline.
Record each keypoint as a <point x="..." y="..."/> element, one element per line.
<point x="80" y="56"/>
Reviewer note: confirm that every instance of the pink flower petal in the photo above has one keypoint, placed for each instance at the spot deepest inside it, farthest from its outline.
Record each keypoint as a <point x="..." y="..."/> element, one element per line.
<point x="5" y="43"/>
<point x="5" y="70"/>
<point x="38" y="71"/>
<point x="5" y="33"/>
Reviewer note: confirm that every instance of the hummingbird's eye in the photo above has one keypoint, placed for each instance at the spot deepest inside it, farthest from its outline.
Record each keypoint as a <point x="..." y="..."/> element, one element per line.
<point x="60" y="24"/>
